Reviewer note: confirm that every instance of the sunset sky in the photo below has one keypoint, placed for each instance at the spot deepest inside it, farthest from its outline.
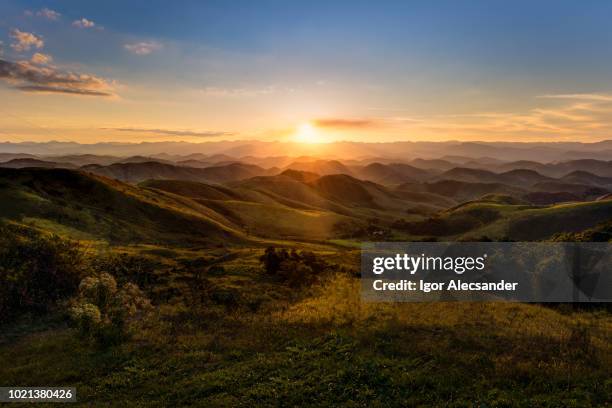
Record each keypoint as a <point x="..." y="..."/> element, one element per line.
<point x="311" y="71"/>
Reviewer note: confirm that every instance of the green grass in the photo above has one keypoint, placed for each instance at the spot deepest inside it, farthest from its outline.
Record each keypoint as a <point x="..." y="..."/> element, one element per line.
<point x="327" y="348"/>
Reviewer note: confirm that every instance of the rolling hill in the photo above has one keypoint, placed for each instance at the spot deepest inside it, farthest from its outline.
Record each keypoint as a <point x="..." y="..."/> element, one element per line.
<point x="394" y="173"/>
<point x="137" y="172"/>
<point x="28" y="162"/>
<point x="85" y="206"/>
<point x="322" y="167"/>
<point x="462" y="191"/>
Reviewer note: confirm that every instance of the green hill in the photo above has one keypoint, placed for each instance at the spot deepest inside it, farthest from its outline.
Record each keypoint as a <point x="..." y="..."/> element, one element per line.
<point x="86" y="206"/>
<point x="528" y="223"/>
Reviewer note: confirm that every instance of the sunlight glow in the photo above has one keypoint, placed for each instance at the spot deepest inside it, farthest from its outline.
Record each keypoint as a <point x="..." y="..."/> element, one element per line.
<point x="307" y="133"/>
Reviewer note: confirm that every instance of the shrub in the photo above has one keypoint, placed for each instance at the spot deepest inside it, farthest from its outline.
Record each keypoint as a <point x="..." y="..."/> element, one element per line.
<point x="105" y="312"/>
<point x="140" y="270"/>
<point x="36" y="271"/>
<point x="294" y="268"/>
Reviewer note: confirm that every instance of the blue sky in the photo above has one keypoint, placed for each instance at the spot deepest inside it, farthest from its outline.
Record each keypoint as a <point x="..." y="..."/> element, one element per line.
<point x="362" y="70"/>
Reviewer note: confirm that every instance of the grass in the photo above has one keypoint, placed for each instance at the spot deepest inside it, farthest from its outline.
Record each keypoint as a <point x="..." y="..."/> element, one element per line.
<point x="323" y="346"/>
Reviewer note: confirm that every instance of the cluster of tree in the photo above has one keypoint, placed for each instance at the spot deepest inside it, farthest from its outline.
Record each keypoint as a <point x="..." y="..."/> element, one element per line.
<point x="295" y="268"/>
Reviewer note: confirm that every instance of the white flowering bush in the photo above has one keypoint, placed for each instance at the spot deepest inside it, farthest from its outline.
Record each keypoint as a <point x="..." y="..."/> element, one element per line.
<point x="105" y="312"/>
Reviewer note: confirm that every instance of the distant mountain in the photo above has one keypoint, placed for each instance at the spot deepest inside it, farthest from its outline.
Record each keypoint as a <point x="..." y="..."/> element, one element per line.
<point x="597" y="167"/>
<point x="137" y="172"/>
<point x="433" y="164"/>
<point x="394" y="173"/>
<point x="194" y="163"/>
<point x="142" y="159"/>
<point x="522" y="164"/>
<point x="395" y="151"/>
<point x="474" y="162"/>
<point x="322" y="167"/>
<point x="559" y="169"/>
<point x="23" y="163"/>
<point x="584" y="177"/>
<point x="463" y="191"/>
<point x="302" y="176"/>
<point x="4" y="157"/>
<point x="581" y="190"/>
<point x="469" y="175"/>
<point x="84" y="159"/>
<point x="522" y="177"/>
<point x="519" y="177"/>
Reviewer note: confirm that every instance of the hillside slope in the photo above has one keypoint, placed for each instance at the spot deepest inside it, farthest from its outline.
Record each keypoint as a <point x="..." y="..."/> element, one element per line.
<point x="85" y="206"/>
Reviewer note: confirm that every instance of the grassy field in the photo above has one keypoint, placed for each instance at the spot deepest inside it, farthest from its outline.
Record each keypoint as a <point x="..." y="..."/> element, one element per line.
<point x="323" y="346"/>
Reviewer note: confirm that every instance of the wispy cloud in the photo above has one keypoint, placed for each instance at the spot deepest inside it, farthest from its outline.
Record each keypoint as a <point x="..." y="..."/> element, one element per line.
<point x="143" y="48"/>
<point x="27" y="77"/>
<point x="581" y="96"/>
<point x="344" y="123"/>
<point x="24" y="41"/>
<point x="48" y="14"/>
<point x="582" y="117"/>
<point x="173" y="132"/>
<point x="83" y="23"/>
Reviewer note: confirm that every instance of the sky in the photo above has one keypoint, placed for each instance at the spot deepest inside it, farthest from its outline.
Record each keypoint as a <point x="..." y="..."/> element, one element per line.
<point x="308" y="71"/>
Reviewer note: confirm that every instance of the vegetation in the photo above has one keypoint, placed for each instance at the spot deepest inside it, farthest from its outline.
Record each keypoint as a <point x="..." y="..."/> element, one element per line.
<point x="36" y="271"/>
<point x="105" y="312"/>
<point x="181" y="293"/>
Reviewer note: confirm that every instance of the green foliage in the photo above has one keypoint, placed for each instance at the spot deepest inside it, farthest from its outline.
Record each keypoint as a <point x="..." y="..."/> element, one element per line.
<point x="599" y="233"/>
<point x="105" y="312"/>
<point x="295" y="268"/>
<point x="36" y="271"/>
<point x="128" y="268"/>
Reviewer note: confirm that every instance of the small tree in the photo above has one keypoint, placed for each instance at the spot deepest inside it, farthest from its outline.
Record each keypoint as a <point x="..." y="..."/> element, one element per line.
<point x="105" y="312"/>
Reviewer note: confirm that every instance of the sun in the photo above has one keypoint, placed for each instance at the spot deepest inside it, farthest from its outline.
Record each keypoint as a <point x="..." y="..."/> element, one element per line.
<point x="306" y="133"/>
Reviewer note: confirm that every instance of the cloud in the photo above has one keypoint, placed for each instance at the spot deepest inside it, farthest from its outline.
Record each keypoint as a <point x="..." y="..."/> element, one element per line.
<point x="48" y="14"/>
<point x="23" y="41"/>
<point x="1" y="48"/>
<point x="343" y="123"/>
<point x="27" y="77"/>
<point x="143" y="48"/>
<point x="42" y="59"/>
<point x="83" y="23"/>
<point x="173" y="132"/>
<point x="588" y="115"/>
<point x="583" y="96"/>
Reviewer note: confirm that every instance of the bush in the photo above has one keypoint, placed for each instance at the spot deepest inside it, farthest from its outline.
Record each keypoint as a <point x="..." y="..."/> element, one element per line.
<point x="106" y="313"/>
<point x="295" y="268"/>
<point x="36" y="271"/>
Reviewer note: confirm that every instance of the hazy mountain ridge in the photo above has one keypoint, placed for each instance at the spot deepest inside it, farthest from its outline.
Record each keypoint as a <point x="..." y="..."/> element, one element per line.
<point x="398" y="151"/>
